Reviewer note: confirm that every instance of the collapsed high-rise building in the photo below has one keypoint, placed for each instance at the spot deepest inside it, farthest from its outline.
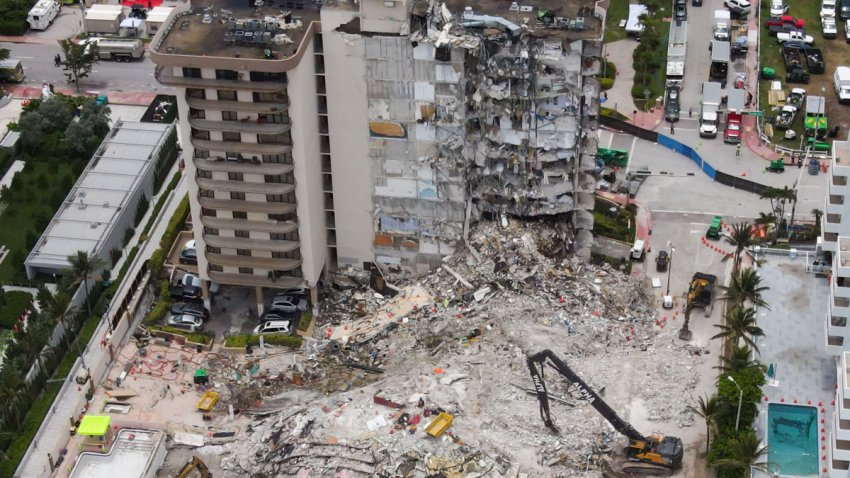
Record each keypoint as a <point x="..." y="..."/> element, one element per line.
<point x="349" y="133"/>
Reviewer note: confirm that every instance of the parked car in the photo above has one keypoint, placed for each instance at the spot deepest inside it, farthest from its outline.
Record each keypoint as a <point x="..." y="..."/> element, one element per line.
<point x="274" y="327"/>
<point x="783" y="37"/>
<point x="778" y="8"/>
<point x="192" y="279"/>
<point x="190" y="244"/>
<point x="784" y="20"/>
<point x="827" y="8"/>
<point x="844" y="10"/>
<point x="289" y="304"/>
<point x="302" y="292"/>
<point x="184" y="291"/>
<point x="774" y="30"/>
<point x="732" y="133"/>
<point x="662" y="261"/>
<point x="830" y="29"/>
<point x="671" y="104"/>
<point x="847" y="31"/>
<point x="738" y="6"/>
<point x="185" y="321"/>
<point x="188" y="256"/>
<point x="191" y="308"/>
<point x="696" y="3"/>
<point x="681" y="10"/>
<point x="280" y="315"/>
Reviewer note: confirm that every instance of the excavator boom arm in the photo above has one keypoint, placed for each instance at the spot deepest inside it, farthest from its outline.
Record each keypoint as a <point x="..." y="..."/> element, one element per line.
<point x="535" y="365"/>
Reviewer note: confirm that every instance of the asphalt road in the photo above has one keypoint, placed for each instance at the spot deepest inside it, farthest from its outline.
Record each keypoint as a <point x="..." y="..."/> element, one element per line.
<point x="106" y="75"/>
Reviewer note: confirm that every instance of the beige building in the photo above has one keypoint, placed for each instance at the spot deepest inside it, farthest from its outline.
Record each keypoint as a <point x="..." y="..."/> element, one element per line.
<point x="345" y="134"/>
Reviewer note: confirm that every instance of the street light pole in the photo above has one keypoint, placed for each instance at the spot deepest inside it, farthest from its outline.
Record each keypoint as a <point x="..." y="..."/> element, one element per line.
<point x="740" y="399"/>
<point x="669" y="265"/>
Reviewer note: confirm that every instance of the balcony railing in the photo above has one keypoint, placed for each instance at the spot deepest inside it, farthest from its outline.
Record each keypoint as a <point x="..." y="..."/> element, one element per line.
<point x="253" y="244"/>
<point x="280" y="227"/>
<point x="166" y="76"/>
<point x="248" y="206"/>
<point x="245" y="187"/>
<point x="223" y="165"/>
<point x="241" y="147"/>
<point x="270" y="263"/>
<point x="248" y="126"/>
<point x="243" y="106"/>
<point x="255" y="280"/>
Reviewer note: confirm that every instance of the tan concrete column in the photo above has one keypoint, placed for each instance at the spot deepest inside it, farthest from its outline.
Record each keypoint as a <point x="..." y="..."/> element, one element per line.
<point x="261" y="304"/>
<point x="205" y="293"/>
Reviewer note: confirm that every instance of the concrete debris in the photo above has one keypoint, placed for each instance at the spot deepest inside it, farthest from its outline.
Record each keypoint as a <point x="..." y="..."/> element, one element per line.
<point x="458" y="347"/>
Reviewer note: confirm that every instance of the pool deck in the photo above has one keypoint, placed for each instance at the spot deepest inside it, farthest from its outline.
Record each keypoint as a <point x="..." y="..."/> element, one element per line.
<point x="794" y="340"/>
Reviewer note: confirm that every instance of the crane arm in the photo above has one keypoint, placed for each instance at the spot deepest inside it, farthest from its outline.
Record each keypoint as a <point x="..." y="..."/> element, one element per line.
<point x="535" y="366"/>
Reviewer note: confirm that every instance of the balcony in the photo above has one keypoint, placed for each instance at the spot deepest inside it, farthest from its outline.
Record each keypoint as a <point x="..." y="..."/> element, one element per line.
<point x="253" y="244"/>
<point x="166" y="76"/>
<point x="245" y="187"/>
<point x="837" y="184"/>
<point x="255" y="280"/>
<point x="841" y="428"/>
<point x="254" y="127"/>
<point x="840" y="449"/>
<point x="243" y="106"/>
<point x="241" y="147"/>
<point x="281" y="227"/>
<point x="247" y="206"/>
<point x="269" y="263"/>
<point x="840" y="291"/>
<point x="229" y="166"/>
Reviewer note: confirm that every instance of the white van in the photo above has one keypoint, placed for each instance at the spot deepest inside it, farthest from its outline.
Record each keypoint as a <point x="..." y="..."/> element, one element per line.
<point x="42" y="14"/>
<point x="273" y="327"/>
<point x="638" y="250"/>
<point x="841" y="81"/>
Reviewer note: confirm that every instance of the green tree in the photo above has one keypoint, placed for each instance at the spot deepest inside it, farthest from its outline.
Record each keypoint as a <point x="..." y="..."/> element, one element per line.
<point x="740" y="325"/>
<point x="11" y="397"/>
<point x="82" y="267"/>
<point x="4" y="54"/>
<point x="791" y="195"/>
<point x="744" y="453"/>
<point x="59" y="307"/>
<point x="708" y="408"/>
<point x="765" y="219"/>
<point x="740" y="358"/>
<point x="51" y="116"/>
<point x="742" y="238"/>
<point x="33" y="344"/>
<point x="745" y="287"/>
<point x="79" y="60"/>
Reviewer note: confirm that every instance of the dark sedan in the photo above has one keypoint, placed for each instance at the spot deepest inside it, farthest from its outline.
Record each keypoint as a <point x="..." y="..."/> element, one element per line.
<point x="189" y="256"/>
<point x="671" y="104"/>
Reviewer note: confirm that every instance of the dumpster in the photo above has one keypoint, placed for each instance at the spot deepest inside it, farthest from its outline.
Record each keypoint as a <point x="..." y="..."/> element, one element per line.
<point x="616" y="157"/>
<point x="768" y="73"/>
<point x="102" y="100"/>
<point x="714" y="228"/>
<point x="439" y="425"/>
<point x="777" y="166"/>
<point x="208" y="400"/>
<point x="817" y="145"/>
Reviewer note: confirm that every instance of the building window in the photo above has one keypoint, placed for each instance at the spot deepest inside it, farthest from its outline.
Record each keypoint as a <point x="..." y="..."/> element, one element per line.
<point x="231" y="136"/>
<point x="289" y="236"/>
<point x="273" y="138"/>
<point x="228" y="115"/>
<point x="216" y="268"/>
<point x="226" y="75"/>
<point x="265" y="76"/>
<point x="243" y="252"/>
<point x="286" y="255"/>
<point x="205" y="211"/>
<point x="260" y="97"/>
<point x="191" y="72"/>
<point x="274" y="178"/>
<point x="241" y="233"/>
<point x="272" y="158"/>
<point x="274" y="197"/>
<point x="282" y="217"/>
<point x="202" y="135"/>
<point x="210" y="231"/>
<point x="234" y="176"/>
<point x="246" y="270"/>
<point x="237" y="195"/>
<point x="197" y="114"/>
<point x="213" y="250"/>
<point x="240" y="215"/>
<point x="227" y="95"/>
<point x="275" y="118"/>
<point x="204" y="174"/>
<point x="196" y="93"/>
<point x="206" y="193"/>
<point x="202" y="153"/>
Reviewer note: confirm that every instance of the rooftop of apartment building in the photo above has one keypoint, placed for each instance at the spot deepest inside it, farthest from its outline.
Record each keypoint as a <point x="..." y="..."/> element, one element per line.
<point x="250" y="29"/>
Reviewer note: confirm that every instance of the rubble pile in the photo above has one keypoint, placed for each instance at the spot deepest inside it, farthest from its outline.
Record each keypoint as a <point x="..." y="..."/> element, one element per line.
<point x="457" y="346"/>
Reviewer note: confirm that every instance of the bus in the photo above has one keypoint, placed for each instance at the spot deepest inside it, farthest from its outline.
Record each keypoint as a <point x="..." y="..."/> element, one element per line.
<point x="11" y="71"/>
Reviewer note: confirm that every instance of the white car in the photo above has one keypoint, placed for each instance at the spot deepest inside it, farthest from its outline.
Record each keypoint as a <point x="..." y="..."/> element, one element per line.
<point x="830" y="29"/>
<point x="190" y="244"/>
<point x="827" y="8"/>
<point x="847" y="31"/>
<point x="783" y="37"/>
<point x="186" y="321"/>
<point x="273" y="327"/>
<point x="778" y="8"/>
<point x="742" y="6"/>
<point x="289" y="304"/>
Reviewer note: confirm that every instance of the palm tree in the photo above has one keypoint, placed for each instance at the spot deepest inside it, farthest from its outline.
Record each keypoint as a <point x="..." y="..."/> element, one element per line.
<point x="745" y="286"/>
<point x="744" y="454"/>
<point x="740" y="325"/>
<point x="708" y="408"/>
<point x="742" y="238"/>
<point x="765" y="218"/>
<point x="60" y="307"/>
<point x="739" y="359"/>
<point x="11" y="385"/>
<point x="791" y="195"/>
<point x="82" y="267"/>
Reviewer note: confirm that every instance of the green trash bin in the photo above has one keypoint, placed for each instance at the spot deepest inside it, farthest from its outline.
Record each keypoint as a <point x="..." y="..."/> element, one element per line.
<point x="768" y="73"/>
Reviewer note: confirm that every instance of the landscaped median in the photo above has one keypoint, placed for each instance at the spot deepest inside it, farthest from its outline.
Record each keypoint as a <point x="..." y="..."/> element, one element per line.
<point x="198" y="338"/>
<point x="237" y="343"/>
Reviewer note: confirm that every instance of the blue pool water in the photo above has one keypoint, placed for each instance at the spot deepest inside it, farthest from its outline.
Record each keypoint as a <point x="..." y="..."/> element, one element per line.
<point x="792" y="439"/>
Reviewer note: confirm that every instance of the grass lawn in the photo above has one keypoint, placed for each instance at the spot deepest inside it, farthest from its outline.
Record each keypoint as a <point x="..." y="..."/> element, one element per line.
<point x="14" y="304"/>
<point x="45" y="183"/>
<point x="659" y="79"/>
<point x="617" y="10"/>
<point x="835" y="53"/>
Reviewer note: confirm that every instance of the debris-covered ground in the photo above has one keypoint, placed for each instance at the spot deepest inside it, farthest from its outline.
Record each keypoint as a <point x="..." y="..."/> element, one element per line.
<point x="455" y="341"/>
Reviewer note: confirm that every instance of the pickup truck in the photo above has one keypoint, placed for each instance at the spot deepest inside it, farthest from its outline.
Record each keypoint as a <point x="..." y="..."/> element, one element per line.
<point x="786" y="117"/>
<point x="783" y="37"/>
<point x="814" y="60"/>
<point x="774" y="30"/>
<point x="830" y="29"/>
<point x="785" y="20"/>
<point x="732" y="133"/>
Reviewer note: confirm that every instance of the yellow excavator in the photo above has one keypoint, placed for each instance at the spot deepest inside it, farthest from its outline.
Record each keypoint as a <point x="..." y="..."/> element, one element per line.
<point x="653" y="455"/>
<point x="195" y="464"/>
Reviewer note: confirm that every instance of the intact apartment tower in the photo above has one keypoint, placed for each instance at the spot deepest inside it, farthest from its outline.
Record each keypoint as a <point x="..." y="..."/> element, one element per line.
<point x="324" y="136"/>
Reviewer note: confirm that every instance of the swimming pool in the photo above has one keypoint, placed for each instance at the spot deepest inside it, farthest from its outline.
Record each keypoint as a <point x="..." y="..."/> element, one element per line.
<point x="792" y="439"/>
<point x="134" y="454"/>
